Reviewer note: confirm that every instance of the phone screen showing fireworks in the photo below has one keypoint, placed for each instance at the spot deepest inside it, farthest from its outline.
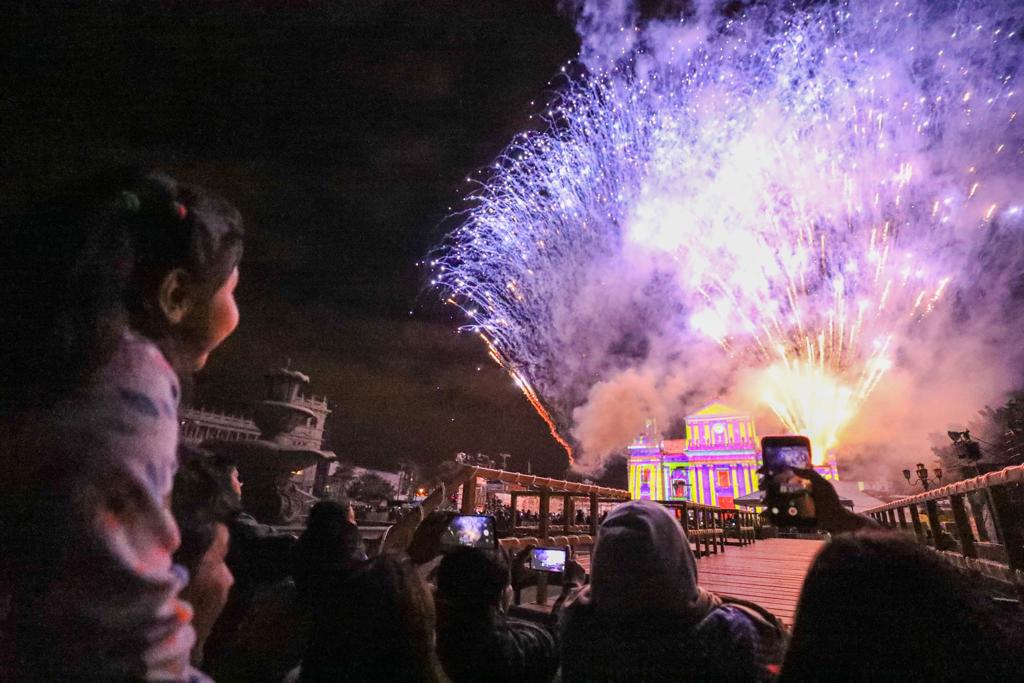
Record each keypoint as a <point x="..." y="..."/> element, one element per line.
<point x="550" y="560"/>
<point x="787" y="495"/>
<point x="470" y="531"/>
<point x="781" y="458"/>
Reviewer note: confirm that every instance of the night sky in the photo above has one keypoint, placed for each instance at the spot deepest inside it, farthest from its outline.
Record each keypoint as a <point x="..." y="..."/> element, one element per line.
<point x="344" y="132"/>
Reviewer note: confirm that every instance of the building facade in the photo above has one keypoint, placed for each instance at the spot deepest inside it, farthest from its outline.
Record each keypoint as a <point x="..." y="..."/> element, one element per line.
<point x="199" y="424"/>
<point x="716" y="463"/>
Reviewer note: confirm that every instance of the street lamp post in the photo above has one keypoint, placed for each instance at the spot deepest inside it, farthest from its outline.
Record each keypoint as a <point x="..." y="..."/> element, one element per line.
<point x="922" y="476"/>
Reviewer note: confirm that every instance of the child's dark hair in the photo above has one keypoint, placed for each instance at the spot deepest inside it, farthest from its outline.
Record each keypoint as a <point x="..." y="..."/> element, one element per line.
<point x="82" y="265"/>
<point x="202" y="499"/>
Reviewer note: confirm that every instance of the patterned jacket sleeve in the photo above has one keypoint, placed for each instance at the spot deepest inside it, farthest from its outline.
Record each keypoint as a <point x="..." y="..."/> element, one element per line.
<point x="114" y="603"/>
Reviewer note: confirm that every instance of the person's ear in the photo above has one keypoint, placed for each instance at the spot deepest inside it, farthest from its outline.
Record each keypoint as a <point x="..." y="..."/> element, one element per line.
<point x="172" y="296"/>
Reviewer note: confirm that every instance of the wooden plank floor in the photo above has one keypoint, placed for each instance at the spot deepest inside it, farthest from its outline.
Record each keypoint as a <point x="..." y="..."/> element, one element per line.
<point x="769" y="572"/>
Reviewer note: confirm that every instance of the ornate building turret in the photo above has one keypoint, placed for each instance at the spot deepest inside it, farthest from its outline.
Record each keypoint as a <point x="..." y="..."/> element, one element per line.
<point x="290" y="430"/>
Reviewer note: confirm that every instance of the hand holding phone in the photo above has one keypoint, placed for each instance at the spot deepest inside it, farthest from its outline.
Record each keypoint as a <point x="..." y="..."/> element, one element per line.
<point x="788" y="495"/>
<point x="831" y="514"/>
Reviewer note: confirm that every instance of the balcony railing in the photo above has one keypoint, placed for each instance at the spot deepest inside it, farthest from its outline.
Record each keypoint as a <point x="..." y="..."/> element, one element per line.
<point x="711" y="528"/>
<point x="976" y="523"/>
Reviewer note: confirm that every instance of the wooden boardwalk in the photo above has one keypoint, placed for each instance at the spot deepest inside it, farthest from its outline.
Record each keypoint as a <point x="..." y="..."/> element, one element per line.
<point x="769" y="572"/>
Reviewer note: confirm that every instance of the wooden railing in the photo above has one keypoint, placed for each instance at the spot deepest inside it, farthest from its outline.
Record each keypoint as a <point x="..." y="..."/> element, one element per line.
<point x="976" y="523"/>
<point x="711" y="528"/>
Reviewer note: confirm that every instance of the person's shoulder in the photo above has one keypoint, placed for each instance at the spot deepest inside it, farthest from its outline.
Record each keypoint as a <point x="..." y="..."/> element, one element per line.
<point x="739" y="617"/>
<point x="526" y="626"/>
<point x="145" y="383"/>
<point x="533" y="649"/>
<point x="739" y="626"/>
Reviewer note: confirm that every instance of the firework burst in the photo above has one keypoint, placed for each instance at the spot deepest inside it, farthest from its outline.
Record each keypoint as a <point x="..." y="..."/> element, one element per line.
<point x="802" y="188"/>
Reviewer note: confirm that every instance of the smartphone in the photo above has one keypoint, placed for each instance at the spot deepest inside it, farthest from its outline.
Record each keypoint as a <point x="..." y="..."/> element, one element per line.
<point x="787" y="496"/>
<point x="551" y="560"/>
<point x="470" y="531"/>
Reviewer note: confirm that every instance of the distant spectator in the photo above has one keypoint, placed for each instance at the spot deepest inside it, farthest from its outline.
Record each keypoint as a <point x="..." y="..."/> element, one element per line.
<point x="260" y="558"/>
<point x="328" y="553"/>
<point x="643" y="616"/>
<point x="203" y="504"/>
<point x="476" y="640"/>
<point x="376" y="626"/>
<point x="877" y="606"/>
<point x="329" y="550"/>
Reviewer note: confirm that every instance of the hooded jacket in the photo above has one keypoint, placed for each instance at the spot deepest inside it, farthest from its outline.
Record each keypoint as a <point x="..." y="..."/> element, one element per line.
<point x="644" y="618"/>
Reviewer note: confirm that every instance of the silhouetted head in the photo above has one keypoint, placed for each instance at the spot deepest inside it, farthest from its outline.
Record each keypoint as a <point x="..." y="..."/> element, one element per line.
<point x="643" y="563"/>
<point x="376" y="625"/>
<point x="329" y="550"/>
<point x="879" y="606"/>
<point x="473" y="579"/>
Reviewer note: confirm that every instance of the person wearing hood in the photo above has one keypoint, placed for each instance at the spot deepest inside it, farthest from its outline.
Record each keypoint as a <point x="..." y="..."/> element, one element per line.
<point x="644" y="618"/>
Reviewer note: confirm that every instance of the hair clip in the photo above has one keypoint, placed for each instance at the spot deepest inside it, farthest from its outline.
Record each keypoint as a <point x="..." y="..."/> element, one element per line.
<point x="181" y="210"/>
<point x="129" y="201"/>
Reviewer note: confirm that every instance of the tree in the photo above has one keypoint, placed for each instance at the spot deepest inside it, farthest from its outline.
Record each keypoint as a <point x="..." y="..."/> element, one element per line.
<point x="370" y="487"/>
<point x="1000" y="432"/>
<point x="339" y="481"/>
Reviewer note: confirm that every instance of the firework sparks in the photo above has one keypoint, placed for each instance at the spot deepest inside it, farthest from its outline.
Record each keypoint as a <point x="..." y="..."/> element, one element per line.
<point x="802" y="188"/>
<point x="530" y="395"/>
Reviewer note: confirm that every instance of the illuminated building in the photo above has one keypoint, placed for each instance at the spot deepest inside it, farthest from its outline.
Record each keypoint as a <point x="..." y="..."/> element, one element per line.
<point x="715" y="464"/>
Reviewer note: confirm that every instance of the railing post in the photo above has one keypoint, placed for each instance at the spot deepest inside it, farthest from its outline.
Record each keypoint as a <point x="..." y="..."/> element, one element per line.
<point x="698" y="524"/>
<point x="915" y="518"/>
<point x="721" y="529"/>
<point x="568" y="513"/>
<point x="978" y="500"/>
<point x="933" y="521"/>
<point x="702" y="515"/>
<point x="902" y="515"/>
<point x="1009" y="524"/>
<point x="711" y="528"/>
<point x="721" y="535"/>
<point x="891" y="518"/>
<point x="542" y="537"/>
<point x="706" y="529"/>
<point x="594" y="508"/>
<point x="963" y="527"/>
